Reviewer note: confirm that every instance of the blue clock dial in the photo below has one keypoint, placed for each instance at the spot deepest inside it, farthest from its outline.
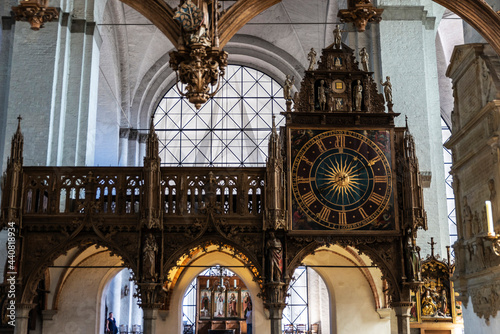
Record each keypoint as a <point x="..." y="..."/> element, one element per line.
<point x="341" y="179"/>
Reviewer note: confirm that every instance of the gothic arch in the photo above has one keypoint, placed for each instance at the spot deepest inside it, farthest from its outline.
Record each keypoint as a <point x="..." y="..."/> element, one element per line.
<point x="192" y="252"/>
<point x="173" y="316"/>
<point x="381" y="257"/>
<point x="480" y="16"/>
<point x="46" y="260"/>
<point x="76" y="261"/>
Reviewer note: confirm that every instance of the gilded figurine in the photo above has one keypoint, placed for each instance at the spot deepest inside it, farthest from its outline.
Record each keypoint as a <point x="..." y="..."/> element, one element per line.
<point x="364" y="59"/>
<point x="287" y="90"/>
<point x="358" y="95"/>
<point x="311" y="56"/>
<point x="387" y="89"/>
<point x="429" y="307"/>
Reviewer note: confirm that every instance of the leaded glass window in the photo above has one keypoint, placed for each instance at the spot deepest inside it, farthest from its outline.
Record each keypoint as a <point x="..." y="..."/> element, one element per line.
<point x="231" y="129"/>
<point x="296" y="311"/>
<point x="450" y="196"/>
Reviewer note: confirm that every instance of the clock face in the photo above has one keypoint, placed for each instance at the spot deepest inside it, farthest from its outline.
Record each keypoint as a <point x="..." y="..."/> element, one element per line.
<point x="341" y="179"/>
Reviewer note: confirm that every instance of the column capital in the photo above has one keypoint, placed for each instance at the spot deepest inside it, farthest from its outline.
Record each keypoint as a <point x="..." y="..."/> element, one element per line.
<point x="409" y="13"/>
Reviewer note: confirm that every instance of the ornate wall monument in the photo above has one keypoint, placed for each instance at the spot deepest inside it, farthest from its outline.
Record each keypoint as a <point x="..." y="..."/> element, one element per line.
<point x="474" y="142"/>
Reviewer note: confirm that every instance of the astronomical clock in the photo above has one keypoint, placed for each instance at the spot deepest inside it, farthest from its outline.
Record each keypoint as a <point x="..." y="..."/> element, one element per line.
<point x="341" y="179"/>
<point x="340" y="149"/>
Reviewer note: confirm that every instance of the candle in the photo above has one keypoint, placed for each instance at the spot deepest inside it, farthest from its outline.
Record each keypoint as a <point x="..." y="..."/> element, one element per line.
<point x="489" y="218"/>
<point x="208" y="283"/>
<point x="235" y="285"/>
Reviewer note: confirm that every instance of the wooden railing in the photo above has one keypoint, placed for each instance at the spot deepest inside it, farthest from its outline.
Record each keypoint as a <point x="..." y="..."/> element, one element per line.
<point x="119" y="191"/>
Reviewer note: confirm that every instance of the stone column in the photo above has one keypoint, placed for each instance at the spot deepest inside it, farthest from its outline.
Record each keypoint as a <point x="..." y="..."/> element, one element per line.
<point x="416" y="95"/>
<point x="150" y="297"/>
<point x="22" y="317"/>
<point x="402" y="310"/>
<point x="275" y="294"/>
<point x="150" y="315"/>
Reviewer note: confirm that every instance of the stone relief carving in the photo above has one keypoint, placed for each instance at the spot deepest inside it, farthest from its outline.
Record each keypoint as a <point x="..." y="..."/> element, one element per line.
<point x="467" y="218"/>
<point x="486" y="300"/>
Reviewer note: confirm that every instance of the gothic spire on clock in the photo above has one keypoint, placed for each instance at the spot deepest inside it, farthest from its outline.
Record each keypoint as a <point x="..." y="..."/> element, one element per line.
<point x="339" y="84"/>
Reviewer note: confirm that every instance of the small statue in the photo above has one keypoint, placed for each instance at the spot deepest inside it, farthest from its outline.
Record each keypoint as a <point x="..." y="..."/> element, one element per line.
<point x="429" y="307"/>
<point x="491" y="187"/>
<point x="149" y="258"/>
<point x="338" y="63"/>
<point x="275" y="258"/>
<point x="476" y="224"/>
<point x="387" y="89"/>
<point x="296" y="101"/>
<point x="337" y="35"/>
<point x="413" y="258"/>
<point x="312" y="59"/>
<point x="358" y="95"/>
<point x="322" y="95"/>
<point x="364" y="59"/>
<point x="467" y="218"/>
<point x="338" y="104"/>
<point x="443" y="304"/>
<point x="287" y="90"/>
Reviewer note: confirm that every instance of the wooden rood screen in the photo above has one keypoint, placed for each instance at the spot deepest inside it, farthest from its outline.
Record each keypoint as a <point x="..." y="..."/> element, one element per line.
<point x="118" y="191"/>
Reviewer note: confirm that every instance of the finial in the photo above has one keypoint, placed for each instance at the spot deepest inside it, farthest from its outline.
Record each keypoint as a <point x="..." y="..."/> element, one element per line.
<point x="449" y="256"/>
<point x="406" y="121"/>
<point x="432" y="243"/>
<point x="19" y="118"/>
<point x="274" y="123"/>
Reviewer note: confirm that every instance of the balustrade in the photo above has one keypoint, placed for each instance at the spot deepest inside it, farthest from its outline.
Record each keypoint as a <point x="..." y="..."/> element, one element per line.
<point x="119" y="191"/>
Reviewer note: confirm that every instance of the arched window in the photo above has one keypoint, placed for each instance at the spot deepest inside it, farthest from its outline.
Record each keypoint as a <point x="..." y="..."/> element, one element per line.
<point x="216" y="294"/>
<point x="307" y="303"/>
<point x="232" y="129"/>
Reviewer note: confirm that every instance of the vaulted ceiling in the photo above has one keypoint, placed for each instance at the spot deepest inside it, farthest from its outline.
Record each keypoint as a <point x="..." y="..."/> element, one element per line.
<point x="271" y="35"/>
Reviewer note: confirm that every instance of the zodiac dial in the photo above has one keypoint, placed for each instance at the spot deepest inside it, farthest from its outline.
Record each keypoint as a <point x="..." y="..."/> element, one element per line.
<point x="341" y="179"/>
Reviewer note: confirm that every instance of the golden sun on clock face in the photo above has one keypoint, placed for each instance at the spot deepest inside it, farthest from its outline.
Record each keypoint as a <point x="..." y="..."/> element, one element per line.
<point x="341" y="179"/>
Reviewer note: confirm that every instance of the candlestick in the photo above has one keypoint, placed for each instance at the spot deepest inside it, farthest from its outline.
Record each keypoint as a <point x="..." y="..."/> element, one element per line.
<point x="235" y="285"/>
<point x="489" y="218"/>
<point x="208" y="283"/>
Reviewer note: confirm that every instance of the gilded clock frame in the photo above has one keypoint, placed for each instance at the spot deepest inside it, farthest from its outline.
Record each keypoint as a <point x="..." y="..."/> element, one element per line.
<point x="393" y="198"/>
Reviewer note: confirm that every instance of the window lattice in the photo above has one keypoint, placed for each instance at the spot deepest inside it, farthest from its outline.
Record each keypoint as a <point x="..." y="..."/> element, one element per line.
<point x="231" y="129"/>
<point x="450" y="197"/>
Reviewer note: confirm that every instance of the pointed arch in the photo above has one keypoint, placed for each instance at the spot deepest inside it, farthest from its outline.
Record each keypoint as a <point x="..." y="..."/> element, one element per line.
<point x="47" y="259"/>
